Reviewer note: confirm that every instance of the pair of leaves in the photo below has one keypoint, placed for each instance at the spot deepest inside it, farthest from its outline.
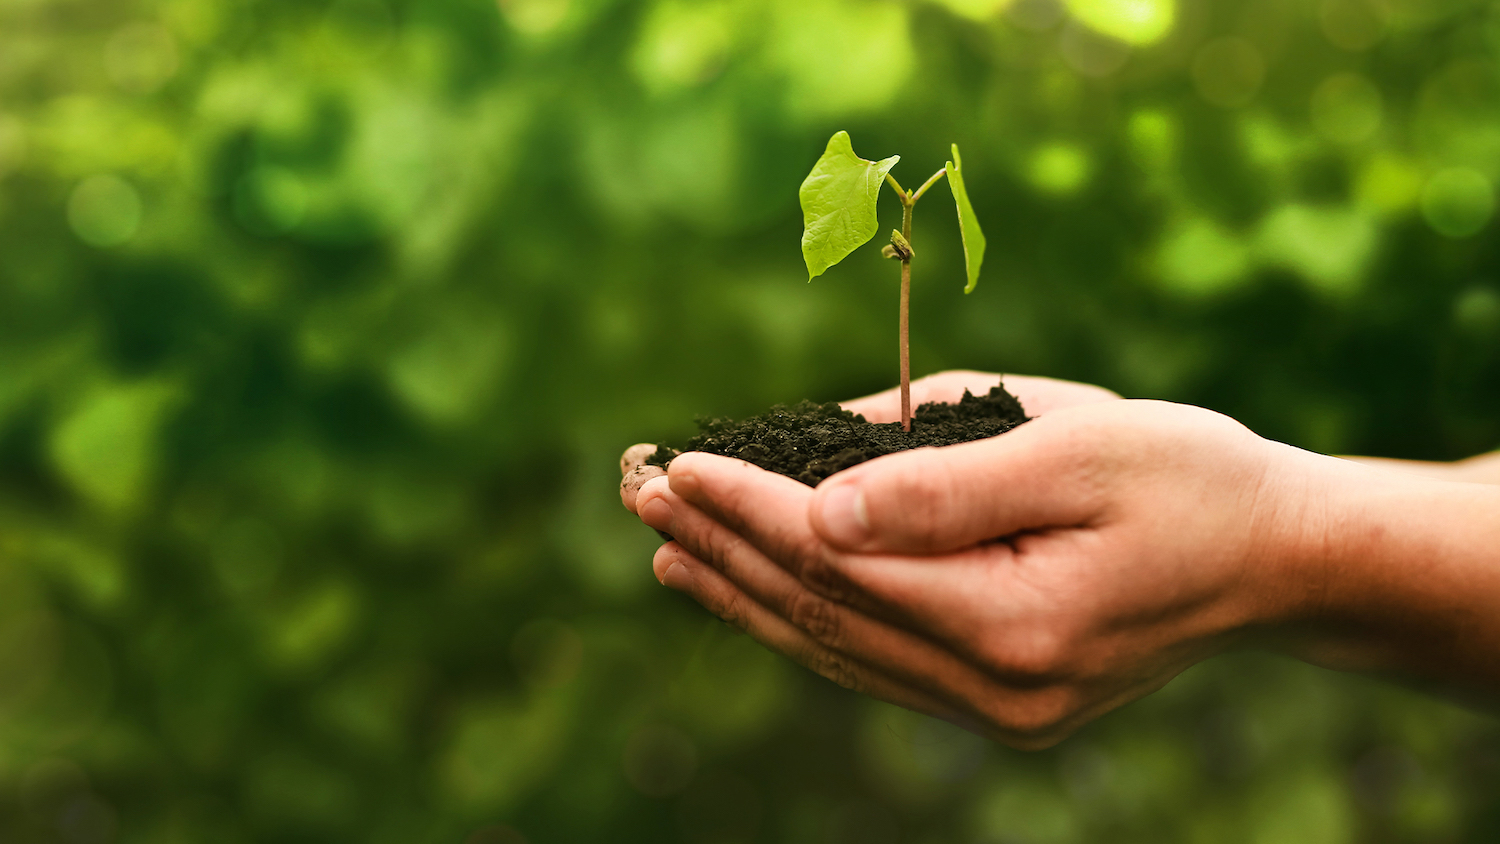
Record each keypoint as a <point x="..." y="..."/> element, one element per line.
<point x="838" y="207"/>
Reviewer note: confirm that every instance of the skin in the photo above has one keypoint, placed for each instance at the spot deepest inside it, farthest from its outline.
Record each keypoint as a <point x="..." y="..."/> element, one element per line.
<point x="1023" y="585"/>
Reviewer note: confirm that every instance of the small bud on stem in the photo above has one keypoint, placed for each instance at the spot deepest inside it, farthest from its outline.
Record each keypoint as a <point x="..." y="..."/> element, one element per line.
<point x="899" y="247"/>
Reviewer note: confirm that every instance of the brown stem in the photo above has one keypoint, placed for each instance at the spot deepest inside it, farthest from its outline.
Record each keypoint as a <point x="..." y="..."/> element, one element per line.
<point x="906" y="204"/>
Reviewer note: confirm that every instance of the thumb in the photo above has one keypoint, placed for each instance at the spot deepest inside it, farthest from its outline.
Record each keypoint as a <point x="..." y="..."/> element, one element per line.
<point x="935" y="500"/>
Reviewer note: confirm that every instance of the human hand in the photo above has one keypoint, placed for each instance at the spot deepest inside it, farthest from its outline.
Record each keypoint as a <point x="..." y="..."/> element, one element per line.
<point x="1019" y="586"/>
<point x="1037" y="396"/>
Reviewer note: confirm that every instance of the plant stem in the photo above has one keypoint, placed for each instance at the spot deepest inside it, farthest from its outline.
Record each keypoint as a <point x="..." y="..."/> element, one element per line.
<point x="929" y="183"/>
<point x="907" y="201"/>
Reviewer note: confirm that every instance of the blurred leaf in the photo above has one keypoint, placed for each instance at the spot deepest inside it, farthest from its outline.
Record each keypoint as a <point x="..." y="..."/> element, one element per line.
<point x="107" y="447"/>
<point x="322" y="325"/>
<point x="1135" y="21"/>
<point x="1329" y="247"/>
<point x="837" y="57"/>
<point x="501" y="749"/>
<point x="1200" y="258"/>
<point x="311" y="626"/>
<point x="287" y="787"/>
<point x="734" y="690"/>
<point x="1059" y="169"/>
<point x="1309" y="807"/>
<point x="96" y="574"/>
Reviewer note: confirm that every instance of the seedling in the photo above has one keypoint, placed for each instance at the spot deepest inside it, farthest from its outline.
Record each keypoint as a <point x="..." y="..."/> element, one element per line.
<point x="838" y="216"/>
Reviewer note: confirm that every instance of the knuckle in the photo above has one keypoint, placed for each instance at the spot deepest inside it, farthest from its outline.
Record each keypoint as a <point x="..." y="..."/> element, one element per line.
<point x="921" y="500"/>
<point x="731" y="610"/>
<point x="789" y="552"/>
<point x="721" y="549"/>
<point x="837" y="668"/>
<point x="1038" y="653"/>
<point x="732" y="500"/>
<point x="815" y="616"/>
<point x="822" y="575"/>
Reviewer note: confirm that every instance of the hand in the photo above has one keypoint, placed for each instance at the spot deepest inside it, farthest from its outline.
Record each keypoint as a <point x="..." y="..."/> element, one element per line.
<point x="1037" y="396"/>
<point x="1480" y="469"/>
<point x="1018" y="586"/>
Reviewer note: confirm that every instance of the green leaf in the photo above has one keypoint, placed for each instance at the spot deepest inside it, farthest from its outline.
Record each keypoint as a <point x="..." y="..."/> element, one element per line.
<point x="968" y="226"/>
<point x="838" y="204"/>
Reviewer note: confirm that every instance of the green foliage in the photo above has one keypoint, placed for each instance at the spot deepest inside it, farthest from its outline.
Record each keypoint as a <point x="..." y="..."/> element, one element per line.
<point x="838" y="204"/>
<point x="968" y="226"/>
<point x="323" y="324"/>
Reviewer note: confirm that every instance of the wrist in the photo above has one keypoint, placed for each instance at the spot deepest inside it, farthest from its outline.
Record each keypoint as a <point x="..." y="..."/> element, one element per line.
<point x="1394" y="573"/>
<point x="1481" y="469"/>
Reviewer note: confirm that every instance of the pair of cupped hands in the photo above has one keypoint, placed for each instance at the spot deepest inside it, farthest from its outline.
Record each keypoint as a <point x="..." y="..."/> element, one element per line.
<point x="1017" y="586"/>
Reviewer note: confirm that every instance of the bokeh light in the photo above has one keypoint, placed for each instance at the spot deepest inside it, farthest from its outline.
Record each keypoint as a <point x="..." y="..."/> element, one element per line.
<point x="1458" y="201"/>
<point x="104" y="210"/>
<point x="1346" y="108"/>
<point x="1229" y="71"/>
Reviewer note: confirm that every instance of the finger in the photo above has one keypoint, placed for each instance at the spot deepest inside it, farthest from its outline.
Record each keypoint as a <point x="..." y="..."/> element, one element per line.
<point x="747" y="504"/>
<point x="1037" y="394"/>
<point x="767" y="509"/>
<point x="630" y="485"/>
<point x="1040" y="395"/>
<point x="1026" y="644"/>
<point x="676" y="568"/>
<point x="940" y="387"/>
<point x="1027" y="719"/>
<point x="771" y="513"/>
<point x="635" y="472"/>
<point x="936" y="500"/>
<point x="786" y="544"/>
<point x="635" y="456"/>
<point x="833" y="624"/>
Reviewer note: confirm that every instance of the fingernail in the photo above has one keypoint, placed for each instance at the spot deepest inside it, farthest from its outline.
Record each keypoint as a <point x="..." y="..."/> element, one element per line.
<point x="657" y="513"/>
<point x="677" y="577"/>
<point x="845" y="520"/>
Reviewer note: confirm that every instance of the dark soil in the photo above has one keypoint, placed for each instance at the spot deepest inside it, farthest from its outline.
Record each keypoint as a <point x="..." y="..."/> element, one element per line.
<point x="810" y="441"/>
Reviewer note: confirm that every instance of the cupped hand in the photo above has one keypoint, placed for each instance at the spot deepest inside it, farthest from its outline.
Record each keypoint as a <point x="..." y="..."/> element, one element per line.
<point x="1037" y="396"/>
<point x="1018" y="586"/>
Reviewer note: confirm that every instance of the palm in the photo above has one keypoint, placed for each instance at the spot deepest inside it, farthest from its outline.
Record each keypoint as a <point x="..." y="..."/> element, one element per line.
<point x="1037" y="395"/>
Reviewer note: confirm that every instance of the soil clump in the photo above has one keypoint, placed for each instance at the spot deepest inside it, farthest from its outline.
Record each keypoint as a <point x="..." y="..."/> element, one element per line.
<point x="810" y="441"/>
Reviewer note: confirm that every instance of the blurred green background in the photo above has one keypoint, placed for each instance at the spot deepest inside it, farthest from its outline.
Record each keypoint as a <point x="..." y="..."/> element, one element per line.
<point x="322" y="326"/>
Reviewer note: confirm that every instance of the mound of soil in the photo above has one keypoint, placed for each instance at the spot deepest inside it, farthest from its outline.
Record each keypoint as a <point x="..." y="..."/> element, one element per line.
<point x="810" y="441"/>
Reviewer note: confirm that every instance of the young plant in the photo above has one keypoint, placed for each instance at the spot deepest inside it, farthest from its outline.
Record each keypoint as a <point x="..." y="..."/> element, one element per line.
<point x="838" y="216"/>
